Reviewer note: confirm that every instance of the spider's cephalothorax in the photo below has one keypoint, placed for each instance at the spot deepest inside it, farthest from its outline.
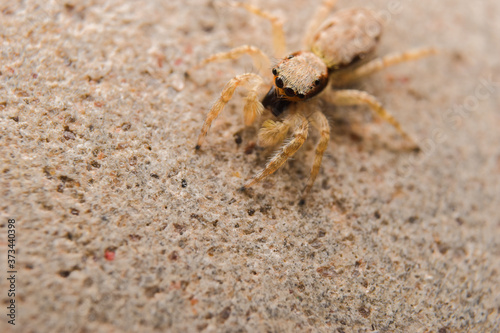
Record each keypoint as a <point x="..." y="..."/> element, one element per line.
<point x="339" y="51"/>
<point x="297" y="77"/>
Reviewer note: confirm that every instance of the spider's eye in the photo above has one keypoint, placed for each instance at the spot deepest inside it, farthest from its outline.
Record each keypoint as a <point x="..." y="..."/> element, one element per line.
<point x="317" y="82"/>
<point x="275" y="71"/>
<point x="279" y="82"/>
<point x="289" y="92"/>
<point x="301" y="96"/>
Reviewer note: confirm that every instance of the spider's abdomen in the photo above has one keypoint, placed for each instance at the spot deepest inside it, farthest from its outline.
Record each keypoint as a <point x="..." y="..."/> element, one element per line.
<point x="347" y="37"/>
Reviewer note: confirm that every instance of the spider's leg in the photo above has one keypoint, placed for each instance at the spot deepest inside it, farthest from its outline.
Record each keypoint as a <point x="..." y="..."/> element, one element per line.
<point x="319" y="121"/>
<point x="319" y="17"/>
<point x="357" y="97"/>
<point x="300" y="128"/>
<point x="379" y="64"/>
<point x="279" y="43"/>
<point x="248" y="78"/>
<point x="260" y="59"/>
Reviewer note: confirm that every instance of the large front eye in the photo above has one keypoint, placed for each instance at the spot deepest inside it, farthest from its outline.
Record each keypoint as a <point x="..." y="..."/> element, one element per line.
<point x="279" y="82"/>
<point x="289" y="92"/>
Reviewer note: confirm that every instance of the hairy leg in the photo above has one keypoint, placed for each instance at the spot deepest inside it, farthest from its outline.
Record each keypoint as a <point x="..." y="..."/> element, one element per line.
<point x="279" y="43"/>
<point x="260" y="59"/>
<point x="300" y="129"/>
<point x="318" y="18"/>
<point x="357" y="97"/>
<point x="319" y="121"/>
<point x="379" y="64"/>
<point x="252" y="79"/>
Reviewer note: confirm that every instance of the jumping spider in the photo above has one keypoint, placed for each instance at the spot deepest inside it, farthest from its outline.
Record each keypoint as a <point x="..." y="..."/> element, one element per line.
<point x="339" y="50"/>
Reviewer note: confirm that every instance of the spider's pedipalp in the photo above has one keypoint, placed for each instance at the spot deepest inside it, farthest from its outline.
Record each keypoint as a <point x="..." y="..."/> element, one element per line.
<point x="253" y="107"/>
<point x="357" y="97"/>
<point x="379" y="64"/>
<point x="273" y="132"/>
<point x="300" y="127"/>
<point x="319" y="121"/>
<point x="248" y="78"/>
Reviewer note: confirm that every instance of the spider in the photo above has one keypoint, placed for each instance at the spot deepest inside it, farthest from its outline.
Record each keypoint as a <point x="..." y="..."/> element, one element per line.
<point x="339" y="50"/>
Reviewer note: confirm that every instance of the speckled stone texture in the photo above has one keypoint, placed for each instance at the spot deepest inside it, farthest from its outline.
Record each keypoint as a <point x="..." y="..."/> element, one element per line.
<point x="123" y="227"/>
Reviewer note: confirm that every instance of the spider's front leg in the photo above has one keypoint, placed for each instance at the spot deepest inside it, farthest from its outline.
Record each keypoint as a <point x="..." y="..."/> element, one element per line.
<point x="300" y="127"/>
<point x="319" y="121"/>
<point x="252" y="108"/>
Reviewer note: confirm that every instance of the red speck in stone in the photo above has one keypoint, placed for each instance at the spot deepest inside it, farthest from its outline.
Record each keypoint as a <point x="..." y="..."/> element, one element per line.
<point x="178" y="61"/>
<point x="160" y="59"/>
<point x="109" y="255"/>
<point x="393" y="79"/>
<point x="405" y="79"/>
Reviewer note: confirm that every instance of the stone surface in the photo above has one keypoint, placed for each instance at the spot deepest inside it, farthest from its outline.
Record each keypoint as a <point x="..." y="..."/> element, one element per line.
<point x="122" y="226"/>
